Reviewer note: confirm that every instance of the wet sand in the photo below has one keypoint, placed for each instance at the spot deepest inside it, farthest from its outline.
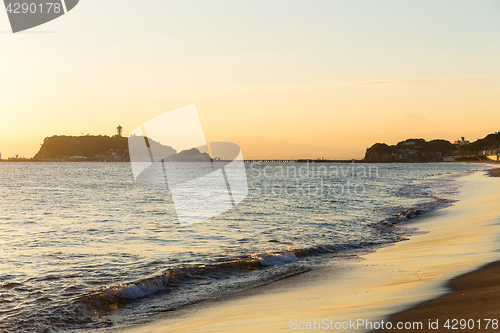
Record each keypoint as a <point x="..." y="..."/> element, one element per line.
<point x="461" y="239"/>
<point x="494" y="172"/>
<point x="475" y="296"/>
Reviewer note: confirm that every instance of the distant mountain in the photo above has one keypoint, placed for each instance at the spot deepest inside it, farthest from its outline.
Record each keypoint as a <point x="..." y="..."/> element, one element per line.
<point x="415" y="120"/>
<point x="254" y="147"/>
<point x="412" y="125"/>
<point x="419" y="150"/>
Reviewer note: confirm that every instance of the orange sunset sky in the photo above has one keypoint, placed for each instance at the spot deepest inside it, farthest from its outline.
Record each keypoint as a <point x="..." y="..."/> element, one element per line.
<point x="281" y="78"/>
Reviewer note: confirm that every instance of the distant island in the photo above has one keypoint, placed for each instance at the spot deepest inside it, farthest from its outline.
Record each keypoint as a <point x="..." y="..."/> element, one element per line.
<point x="103" y="148"/>
<point x="95" y="148"/>
<point x="420" y="150"/>
<point x="100" y="148"/>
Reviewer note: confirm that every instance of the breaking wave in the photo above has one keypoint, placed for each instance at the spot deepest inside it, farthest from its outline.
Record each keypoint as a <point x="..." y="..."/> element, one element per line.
<point x="137" y="290"/>
<point x="272" y="259"/>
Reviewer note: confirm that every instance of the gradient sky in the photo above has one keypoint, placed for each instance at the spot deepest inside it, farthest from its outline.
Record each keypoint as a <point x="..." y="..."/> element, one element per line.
<point x="326" y="77"/>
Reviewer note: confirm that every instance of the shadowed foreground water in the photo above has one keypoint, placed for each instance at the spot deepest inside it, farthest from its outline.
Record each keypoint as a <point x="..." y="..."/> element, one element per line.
<point x="84" y="247"/>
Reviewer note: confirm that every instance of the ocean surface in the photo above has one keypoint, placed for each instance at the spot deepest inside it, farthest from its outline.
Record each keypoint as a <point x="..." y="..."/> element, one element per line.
<point x="83" y="247"/>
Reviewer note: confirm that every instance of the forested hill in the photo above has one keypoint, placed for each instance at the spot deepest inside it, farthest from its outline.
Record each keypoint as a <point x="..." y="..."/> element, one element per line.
<point x="419" y="150"/>
<point x="491" y="141"/>
<point x="411" y="150"/>
<point x="84" y="147"/>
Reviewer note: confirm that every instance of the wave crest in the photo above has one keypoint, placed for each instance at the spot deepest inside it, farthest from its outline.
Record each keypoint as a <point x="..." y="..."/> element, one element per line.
<point x="271" y="259"/>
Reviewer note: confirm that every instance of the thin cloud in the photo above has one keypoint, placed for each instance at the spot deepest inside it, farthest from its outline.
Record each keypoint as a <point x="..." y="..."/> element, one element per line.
<point x="359" y="83"/>
<point x="407" y="81"/>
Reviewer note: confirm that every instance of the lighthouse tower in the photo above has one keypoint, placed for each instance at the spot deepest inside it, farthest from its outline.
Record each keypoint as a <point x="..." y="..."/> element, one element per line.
<point x="119" y="130"/>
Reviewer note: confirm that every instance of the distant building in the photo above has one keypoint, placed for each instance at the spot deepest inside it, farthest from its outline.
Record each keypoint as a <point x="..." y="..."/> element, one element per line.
<point x="0" y="155"/>
<point x="397" y="154"/>
<point x="462" y="142"/>
<point x="119" y="130"/>
<point x="17" y="158"/>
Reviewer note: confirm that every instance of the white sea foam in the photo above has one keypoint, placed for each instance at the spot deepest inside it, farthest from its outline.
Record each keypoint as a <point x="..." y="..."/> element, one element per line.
<point x="442" y="186"/>
<point x="271" y="259"/>
<point x="488" y="167"/>
<point x="137" y="290"/>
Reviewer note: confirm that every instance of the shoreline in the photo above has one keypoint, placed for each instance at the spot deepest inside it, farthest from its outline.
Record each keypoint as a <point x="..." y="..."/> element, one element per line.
<point x="494" y="172"/>
<point x="69" y="160"/>
<point x="474" y="297"/>
<point x="380" y="284"/>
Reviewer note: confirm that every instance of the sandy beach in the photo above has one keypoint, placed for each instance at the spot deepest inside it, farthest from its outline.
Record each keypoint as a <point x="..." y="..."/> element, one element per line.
<point x="474" y="300"/>
<point x="475" y="295"/>
<point x="367" y="290"/>
<point x="494" y="172"/>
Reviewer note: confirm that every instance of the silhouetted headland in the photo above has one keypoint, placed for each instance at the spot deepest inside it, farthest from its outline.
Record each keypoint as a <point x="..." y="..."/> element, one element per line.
<point x="83" y="148"/>
<point x="419" y="150"/>
<point x="103" y="148"/>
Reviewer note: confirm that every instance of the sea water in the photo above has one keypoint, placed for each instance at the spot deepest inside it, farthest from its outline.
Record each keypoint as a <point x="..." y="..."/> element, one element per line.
<point x="83" y="247"/>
